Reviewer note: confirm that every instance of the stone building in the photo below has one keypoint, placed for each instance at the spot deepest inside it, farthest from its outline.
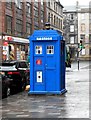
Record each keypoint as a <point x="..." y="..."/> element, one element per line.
<point x="71" y="29"/>
<point x="55" y="15"/>
<point x="76" y="29"/>
<point x="84" y="32"/>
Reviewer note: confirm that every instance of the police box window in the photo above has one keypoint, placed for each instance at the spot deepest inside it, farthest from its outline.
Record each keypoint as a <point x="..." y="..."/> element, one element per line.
<point x="38" y="49"/>
<point x="50" y="49"/>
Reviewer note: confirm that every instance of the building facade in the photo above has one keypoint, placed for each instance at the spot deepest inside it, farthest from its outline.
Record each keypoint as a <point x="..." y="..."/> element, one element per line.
<point x="84" y="32"/>
<point x="71" y="31"/>
<point x="19" y="19"/>
<point x="55" y="15"/>
<point x="76" y="29"/>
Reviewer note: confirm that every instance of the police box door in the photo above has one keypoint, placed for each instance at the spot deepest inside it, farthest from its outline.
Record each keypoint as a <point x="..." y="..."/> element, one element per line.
<point x="44" y="66"/>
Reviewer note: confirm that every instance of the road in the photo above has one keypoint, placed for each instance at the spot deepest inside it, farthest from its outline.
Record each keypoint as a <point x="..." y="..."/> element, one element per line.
<point x="73" y="104"/>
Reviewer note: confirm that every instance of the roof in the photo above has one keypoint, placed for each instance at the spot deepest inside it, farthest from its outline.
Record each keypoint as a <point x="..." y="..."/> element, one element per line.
<point x="45" y="35"/>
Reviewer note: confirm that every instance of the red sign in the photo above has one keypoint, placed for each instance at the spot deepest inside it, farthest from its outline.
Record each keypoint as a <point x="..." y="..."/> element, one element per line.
<point x="9" y="38"/>
<point x="5" y="43"/>
<point x="38" y="62"/>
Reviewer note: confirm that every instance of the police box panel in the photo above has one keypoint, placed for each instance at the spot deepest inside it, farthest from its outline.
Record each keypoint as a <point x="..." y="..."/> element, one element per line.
<point x="45" y="66"/>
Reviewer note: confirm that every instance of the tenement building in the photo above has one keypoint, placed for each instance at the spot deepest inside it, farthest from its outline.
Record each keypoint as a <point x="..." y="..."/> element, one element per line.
<point x="18" y="20"/>
<point x="77" y="29"/>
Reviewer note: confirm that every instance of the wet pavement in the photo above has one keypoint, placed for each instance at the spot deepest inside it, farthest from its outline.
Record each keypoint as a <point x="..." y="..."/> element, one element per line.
<point x="73" y="104"/>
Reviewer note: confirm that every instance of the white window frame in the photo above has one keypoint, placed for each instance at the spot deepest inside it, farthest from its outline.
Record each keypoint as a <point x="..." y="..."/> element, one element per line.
<point x="39" y="49"/>
<point x="72" y="39"/>
<point x="50" y="49"/>
<point x="72" y="28"/>
<point x="82" y="16"/>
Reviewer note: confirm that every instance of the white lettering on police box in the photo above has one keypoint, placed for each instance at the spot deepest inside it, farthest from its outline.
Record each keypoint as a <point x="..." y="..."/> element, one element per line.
<point x="44" y="38"/>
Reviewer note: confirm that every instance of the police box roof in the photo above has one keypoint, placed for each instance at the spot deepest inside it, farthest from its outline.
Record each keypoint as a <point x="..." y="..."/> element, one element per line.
<point x="45" y="35"/>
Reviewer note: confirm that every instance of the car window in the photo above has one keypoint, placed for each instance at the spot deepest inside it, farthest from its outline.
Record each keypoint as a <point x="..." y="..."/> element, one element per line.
<point x="23" y="65"/>
<point x="7" y="64"/>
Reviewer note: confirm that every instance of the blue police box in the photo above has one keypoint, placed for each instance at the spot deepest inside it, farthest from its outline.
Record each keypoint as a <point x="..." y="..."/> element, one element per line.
<point x="47" y="62"/>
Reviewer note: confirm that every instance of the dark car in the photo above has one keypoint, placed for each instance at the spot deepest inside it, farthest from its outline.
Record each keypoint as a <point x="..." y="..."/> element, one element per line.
<point x="5" y="83"/>
<point x="18" y="71"/>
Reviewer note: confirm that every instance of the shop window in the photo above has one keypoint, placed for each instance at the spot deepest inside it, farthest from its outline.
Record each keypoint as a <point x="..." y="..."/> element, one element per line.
<point x="38" y="49"/>
<point x="50" y="49"/>
<point x="23" y="48"/>
<point x="9" y="24"/>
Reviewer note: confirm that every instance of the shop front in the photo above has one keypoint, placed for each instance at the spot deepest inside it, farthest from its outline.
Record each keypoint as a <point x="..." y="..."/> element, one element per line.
<point x="14" y="48"/>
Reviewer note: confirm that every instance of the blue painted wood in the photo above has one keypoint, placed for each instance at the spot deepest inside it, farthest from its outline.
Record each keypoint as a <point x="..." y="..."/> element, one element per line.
<point x="52" y="66"/>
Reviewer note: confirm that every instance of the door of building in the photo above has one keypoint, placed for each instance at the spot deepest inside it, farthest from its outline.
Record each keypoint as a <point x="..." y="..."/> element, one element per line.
<point x="45" y="66"/>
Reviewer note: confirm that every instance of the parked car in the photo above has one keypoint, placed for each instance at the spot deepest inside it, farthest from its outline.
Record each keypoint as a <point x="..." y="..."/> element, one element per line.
<point x="18" y="71"/>
<point x="5" y="83"/>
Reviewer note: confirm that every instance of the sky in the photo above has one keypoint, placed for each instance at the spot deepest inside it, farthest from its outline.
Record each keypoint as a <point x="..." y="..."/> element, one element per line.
<point x="73" y="2"/>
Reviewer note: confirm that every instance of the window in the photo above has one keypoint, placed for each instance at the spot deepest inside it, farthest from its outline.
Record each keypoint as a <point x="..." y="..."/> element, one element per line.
<point x="50" y="49"/>
<point x="82" y="16"/>
<point x="54" y="19"/>
<point x="38" y="49"/>
<point x="28" y="28"/>
<point x="23" y="65"/>
<point x="48" y="17"/>
<point x="61" y="24"/>
<point x="41" y="16"/>
<point x="8" y="24"/>
<point x="82" y="37"/>
<point x="48" y="3"/>
<point x="19" y="26"/>
<point x="36" y="11"/>
<point x="41" y="2"/>
<point x="54" y="5"/>
<point x="71" y="28"/>
<point x="28" y="8"/>
<point x="82" y="27"/>
<point x="9" y="3"/>
<point x="71" y="17"/>
<point x="22" y="47"/>
<point x="57" y="22"/>
<point x="19" y="3"/>
<point x="72" y="40"/>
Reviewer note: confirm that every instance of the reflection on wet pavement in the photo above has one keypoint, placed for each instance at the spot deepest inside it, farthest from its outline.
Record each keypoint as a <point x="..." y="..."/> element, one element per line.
<point x="73" y="104"/>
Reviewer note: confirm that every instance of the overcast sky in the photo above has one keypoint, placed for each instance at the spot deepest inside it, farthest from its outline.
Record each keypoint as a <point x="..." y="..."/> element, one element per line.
<point x="73" y="2"/>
